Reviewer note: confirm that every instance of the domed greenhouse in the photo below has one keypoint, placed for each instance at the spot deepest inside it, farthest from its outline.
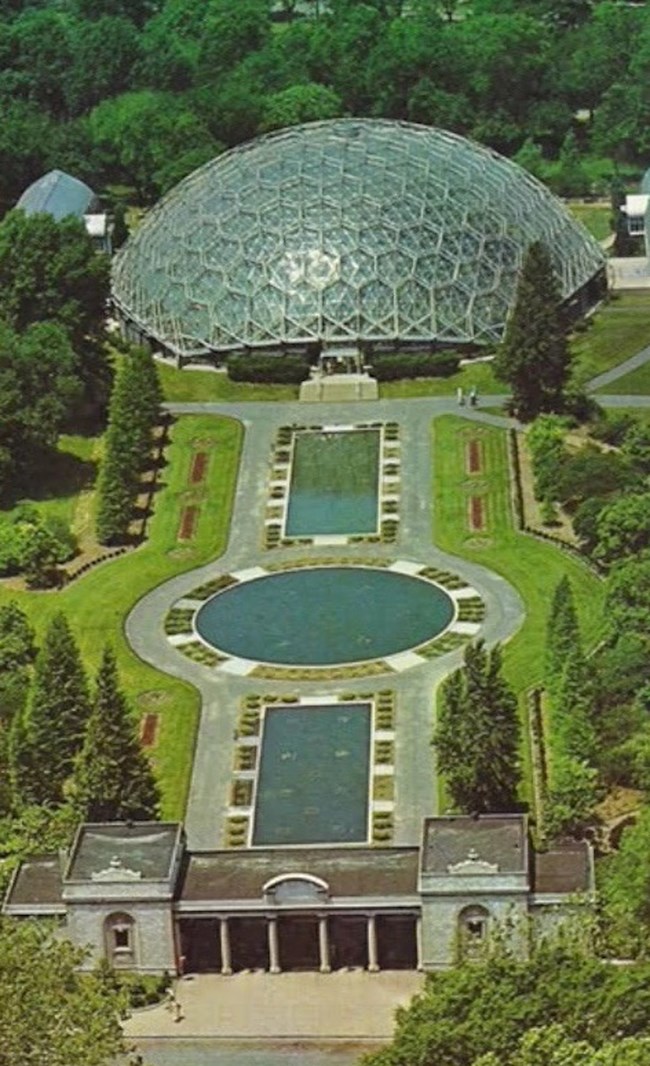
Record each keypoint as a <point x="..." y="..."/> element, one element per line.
<point x="349" y="232"/>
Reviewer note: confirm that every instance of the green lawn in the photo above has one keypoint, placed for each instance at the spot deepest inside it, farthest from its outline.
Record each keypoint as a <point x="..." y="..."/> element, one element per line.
<point x="186" y="386"/>
<point x="636" y="383"/>
<point x="66" y="473"/>
<point x="533" y="567"/>
<point x="479" y="376"/>
<point x="98" y="603"/>
<point x="619" y="330"/>
<point x="594" y="217"/>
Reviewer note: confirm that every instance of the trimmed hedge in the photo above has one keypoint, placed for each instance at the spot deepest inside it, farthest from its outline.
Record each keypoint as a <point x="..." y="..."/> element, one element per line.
<point x="415" y="365"/>
<point x="284" y="369"/>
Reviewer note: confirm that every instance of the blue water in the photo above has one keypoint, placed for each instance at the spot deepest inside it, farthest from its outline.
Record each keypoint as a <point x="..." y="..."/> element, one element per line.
<point x="320" y="616"/>
<point x="334" y="483"/>
<point x="313" y="775"/>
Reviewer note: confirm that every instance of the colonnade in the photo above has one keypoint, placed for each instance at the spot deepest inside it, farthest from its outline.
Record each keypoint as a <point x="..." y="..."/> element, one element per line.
<point x="323" y="943"/>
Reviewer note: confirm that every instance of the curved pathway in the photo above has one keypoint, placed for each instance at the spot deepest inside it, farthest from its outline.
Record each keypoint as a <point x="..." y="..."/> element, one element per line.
<point x="415" y="687"/>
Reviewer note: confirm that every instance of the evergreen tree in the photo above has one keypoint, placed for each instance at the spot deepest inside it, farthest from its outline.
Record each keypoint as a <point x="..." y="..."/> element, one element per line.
<point x="562" y="633"/>
<point x="134" y="411"/>
<point x="17" y="651"/>
<point x="534" y="357"/>
<point x="572" y="703"/>
<point x="477" y="737"/>
<point x="113" y="779"/>
<point x="55" y="722"/>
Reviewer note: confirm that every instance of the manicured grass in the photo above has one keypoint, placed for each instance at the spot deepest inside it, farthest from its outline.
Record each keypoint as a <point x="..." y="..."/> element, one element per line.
<point x="97" y="604"/>
<point x="533" y="567"/>
<point x="620" y="329"/>
<point x="594" y="217"/>
<point x="636" y="383"/>
<point x="63" y="476"/>
<point x="479" y="376"/>
<point x="186" y="386"/>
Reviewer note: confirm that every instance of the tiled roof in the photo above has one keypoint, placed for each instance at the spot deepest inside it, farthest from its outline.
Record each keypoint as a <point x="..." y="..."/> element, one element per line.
<point x="367" y="872"/>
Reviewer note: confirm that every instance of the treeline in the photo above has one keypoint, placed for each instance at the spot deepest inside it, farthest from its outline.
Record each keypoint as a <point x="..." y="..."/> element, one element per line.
<point x="134" y="94"/>
<point x="67" y="747"/>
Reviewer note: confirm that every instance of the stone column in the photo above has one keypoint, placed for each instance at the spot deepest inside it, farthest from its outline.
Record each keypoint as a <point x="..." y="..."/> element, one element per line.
<point x="224" y="938"/>
<point x="274" y="952"/>
<point x="418" y="942"/>
<point x="373" y="965"/>
<point x="323" y="945"/>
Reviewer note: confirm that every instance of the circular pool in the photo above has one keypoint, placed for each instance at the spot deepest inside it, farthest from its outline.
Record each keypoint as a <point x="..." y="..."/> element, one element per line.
<point x="321" y="616"/>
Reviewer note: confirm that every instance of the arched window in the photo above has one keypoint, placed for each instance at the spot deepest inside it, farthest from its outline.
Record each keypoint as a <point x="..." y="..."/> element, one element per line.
<point x="119" y="936"/>
<point x="473" y="928"/>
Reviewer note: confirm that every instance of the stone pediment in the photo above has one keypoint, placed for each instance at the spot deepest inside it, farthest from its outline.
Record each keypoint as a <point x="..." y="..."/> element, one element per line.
<point x="116" y="872"/>
<point x="472" y="866"/>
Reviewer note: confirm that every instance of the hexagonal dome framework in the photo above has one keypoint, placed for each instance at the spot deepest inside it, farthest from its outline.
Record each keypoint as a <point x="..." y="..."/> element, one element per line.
<point x="341" y="233"/>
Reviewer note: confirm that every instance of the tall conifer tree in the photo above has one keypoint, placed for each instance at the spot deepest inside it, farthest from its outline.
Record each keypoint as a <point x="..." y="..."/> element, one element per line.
<point x="113" y="779"/>
<point x="477" y="737"/>
<point x="562" y="633"/>
<point x="534" y="357"/>
<point x="55" y="720"/>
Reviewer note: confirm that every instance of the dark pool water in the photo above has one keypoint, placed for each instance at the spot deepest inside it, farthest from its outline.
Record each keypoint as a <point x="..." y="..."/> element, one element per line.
<point x="313" y="777"/>
<point x="322" y="616"/>
<point x="334" y="483"/>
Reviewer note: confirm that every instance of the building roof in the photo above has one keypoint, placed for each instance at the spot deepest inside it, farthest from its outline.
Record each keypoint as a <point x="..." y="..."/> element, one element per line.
<point x="37" y="882"/>
<point x="146" y="848"/>
<point x="349" y="872"/>
<point x="564" y="868"/>
<point x="57" y="194"/>
<point x="498" y="839"/>
<point x="342" y="231"/>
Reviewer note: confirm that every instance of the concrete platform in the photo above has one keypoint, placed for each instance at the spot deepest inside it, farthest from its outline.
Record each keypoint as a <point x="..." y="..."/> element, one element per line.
<point x="339" y="388"/>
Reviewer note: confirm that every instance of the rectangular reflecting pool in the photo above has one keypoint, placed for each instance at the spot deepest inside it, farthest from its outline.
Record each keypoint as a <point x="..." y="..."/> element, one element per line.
<point x="313" y="775"/>
<point x="334" y="482"/>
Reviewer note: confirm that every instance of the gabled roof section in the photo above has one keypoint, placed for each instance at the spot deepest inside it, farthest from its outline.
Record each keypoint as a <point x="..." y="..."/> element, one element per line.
<point x="36" y="886"/>
<point x="57" y="194"/>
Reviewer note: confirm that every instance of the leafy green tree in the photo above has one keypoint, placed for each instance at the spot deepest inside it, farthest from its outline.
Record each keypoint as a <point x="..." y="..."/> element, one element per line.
<point x="104" y="53"/>
<point x="591" y="473"/>
<point x="113" y="780"/>
<point x="300" y="103"/>
<point x="571" y="179"/>
<point x="477" y="736"/>
<point x="623" y="528"/>
<point x="625" y="888"/>
<point x="232" y="29"/>
<point x="49" y="270"/>
<point x="531" y="158"/>
<point x="627" y="600"/>
<point x="39" y="382"/>
<point x="549" y="1045"/>
<point x="534" y="358"/>
<point x="41" y="53"/>
<point x="636" y="446"/>
<point x="52" y="1014"/>
<point x="56" y="718"/>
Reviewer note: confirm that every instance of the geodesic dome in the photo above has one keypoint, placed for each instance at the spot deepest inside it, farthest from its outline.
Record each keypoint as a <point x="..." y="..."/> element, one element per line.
<point x="342" y="232"/>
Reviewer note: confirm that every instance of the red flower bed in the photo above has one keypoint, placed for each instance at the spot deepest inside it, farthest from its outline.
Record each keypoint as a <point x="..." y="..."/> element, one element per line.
<point x="474" y="464"/>
<point x="476" y="513"/>
<point x="199" y="463"/>
<point x="188" y="523"/>
<point x="148" y="730"/>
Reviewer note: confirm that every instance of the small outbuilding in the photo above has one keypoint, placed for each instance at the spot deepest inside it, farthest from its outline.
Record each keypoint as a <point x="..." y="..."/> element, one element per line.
<point x="62" y="196"/>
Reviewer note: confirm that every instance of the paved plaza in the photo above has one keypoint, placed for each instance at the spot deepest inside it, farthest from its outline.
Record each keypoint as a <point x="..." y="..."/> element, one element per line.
<point x="289" y="1006"/>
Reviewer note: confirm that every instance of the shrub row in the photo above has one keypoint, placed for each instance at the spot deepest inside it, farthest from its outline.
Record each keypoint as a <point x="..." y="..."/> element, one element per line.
<point x="284" y="369"/>
<point x="415" y="365"/>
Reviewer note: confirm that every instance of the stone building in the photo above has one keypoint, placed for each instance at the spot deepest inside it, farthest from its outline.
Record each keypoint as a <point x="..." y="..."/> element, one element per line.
<point x="135" y="895"/>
